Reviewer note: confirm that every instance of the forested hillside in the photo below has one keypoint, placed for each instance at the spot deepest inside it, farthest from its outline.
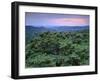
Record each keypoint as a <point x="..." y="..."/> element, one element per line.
<point x="51" y="49"/>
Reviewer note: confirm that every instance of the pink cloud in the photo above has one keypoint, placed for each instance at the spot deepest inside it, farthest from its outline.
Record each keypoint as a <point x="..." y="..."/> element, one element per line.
<point x="70" y="21"/>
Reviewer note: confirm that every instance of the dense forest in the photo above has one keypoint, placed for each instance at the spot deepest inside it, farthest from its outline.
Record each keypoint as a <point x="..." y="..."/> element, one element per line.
<point x="53" y="49"/>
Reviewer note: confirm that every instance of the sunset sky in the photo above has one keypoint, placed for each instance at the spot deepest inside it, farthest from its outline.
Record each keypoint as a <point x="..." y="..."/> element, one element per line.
<point x="51" y="19"/>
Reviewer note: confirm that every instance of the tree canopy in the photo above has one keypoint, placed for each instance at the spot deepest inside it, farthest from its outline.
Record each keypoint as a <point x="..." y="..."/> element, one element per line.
<point x="50" y="49"/>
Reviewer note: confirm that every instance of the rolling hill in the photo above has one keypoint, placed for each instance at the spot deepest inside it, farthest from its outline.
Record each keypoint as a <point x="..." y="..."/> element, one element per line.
<point x="32" y="31"/>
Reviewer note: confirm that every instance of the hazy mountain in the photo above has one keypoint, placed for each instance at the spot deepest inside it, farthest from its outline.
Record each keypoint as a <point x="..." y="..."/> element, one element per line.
<point x="32" y="31"/>
<point x="55" y="28"/>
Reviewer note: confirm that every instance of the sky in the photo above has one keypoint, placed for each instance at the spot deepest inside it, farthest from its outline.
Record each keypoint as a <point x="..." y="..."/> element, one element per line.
<point x="53" y="19"/>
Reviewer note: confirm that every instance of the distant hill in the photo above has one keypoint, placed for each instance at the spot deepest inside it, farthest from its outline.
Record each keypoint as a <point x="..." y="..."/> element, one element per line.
<point x="32" y="31"/>
<point x="70" y="28"/>
<point x="56" y="29"/>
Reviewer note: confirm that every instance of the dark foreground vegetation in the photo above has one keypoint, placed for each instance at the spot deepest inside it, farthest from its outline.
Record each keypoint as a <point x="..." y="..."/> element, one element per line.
<point x="51" y="49"/>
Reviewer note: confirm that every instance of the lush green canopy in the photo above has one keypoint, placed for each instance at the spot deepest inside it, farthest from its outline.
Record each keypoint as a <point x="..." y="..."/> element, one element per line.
<point x="51" y="49"/>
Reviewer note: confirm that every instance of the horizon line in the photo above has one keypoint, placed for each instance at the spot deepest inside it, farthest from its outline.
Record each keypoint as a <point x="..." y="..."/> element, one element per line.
<point x="53" y="26"/>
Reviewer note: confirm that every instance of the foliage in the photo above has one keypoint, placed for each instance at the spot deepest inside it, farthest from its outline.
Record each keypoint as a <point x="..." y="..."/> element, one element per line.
<point x="50" y="49"/>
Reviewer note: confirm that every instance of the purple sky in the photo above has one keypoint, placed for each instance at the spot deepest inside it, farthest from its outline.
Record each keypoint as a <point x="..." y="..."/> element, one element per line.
<point x="52" y="19"/>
